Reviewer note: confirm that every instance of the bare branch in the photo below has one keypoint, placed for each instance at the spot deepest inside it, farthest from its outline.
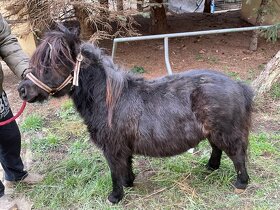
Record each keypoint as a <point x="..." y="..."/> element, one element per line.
<point x="95" y="18"/>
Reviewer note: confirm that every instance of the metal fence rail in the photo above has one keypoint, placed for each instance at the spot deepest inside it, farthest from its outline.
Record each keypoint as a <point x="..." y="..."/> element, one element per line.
<point x="184" y="34"/>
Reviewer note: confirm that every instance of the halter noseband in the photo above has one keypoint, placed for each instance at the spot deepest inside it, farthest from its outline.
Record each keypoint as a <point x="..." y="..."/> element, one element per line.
<point x="74" y="79"/>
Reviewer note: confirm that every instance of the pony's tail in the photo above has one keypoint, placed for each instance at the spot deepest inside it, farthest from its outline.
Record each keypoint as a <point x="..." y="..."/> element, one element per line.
<point x="248" y="96"/>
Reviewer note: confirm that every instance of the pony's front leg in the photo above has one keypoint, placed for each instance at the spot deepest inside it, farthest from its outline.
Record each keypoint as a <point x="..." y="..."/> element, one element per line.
<point x="118" y="169"/>
<point x="129" y="177"/>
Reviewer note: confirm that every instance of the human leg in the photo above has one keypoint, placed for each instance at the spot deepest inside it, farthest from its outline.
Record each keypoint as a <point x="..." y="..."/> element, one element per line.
<point x="10" y="146"/>
<point x="2" y="189"/>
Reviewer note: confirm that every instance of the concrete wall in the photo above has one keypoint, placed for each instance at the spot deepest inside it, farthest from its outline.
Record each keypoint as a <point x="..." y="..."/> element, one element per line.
<point x="249" y="12"/>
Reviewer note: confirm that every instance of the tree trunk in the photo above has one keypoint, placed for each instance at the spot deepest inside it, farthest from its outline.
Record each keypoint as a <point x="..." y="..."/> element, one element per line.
<point x="82" y="16"/>
<point x="207" y="6"/>
<point x="269" y="76"/>
<point x="158" y="17"/>
<point x="105" y="5"/>
<point x="119" y="5"/>
<point x="140" y="5"/>
<point x="259" y="20"/>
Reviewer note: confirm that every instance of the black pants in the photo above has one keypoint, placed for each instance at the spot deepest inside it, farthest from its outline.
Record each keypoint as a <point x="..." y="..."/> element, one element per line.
<point x="10" y="146"/>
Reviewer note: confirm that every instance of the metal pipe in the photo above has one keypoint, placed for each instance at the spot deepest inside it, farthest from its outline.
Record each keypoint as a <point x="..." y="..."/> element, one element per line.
<point x="193" y="33"/>
<point x="114" y="49"/>
<point x="166" y="56"/>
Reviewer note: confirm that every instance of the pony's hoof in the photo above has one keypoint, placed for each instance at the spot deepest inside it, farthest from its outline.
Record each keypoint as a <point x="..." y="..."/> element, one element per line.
<point x="115" y="198"/>
<point x="238" y="191"/>
<point x="240" y="186"/>
<point x="210" y="167"/>
<point x="128" y="184"/>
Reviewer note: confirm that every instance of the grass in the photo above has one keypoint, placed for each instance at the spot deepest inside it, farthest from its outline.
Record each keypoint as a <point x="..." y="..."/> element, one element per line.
<point x="210" y="59"/>
<point x="45" y="144"/>
<point x="32" y="122"/>
<point x="77" y="175"/>
<point x="233" y="75"/>
<point x="213" y="59"/>
<point x="275" y="91"/>
<point x="67" y="111"/>
<point x="199" y="57"/>
<point x="138" y="70"/>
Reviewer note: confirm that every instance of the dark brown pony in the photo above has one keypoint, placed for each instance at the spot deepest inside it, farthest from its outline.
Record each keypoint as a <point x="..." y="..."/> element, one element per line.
<point x="127" y="115"/>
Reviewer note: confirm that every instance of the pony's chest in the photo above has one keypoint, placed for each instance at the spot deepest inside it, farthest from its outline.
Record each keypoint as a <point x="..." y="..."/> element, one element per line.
<point x="99" y="134"/>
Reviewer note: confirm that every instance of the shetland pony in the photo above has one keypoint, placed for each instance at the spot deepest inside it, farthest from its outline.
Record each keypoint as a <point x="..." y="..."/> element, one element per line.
<point x="128" y="115"/>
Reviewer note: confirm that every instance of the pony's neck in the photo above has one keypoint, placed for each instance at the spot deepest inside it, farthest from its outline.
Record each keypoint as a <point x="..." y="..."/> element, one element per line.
<point x="91" y="92"/>
<point x="100" y="85"/>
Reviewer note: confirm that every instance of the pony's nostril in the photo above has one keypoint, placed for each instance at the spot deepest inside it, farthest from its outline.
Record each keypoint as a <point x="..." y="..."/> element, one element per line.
<point x="22" y="92"/>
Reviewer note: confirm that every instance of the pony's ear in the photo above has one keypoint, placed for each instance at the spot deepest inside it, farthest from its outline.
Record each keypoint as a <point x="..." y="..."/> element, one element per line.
<point x="53" y="26"/>
<point x="60" y="27"/>
<point x="69" y="27"/>
<point x="73" y="26"/>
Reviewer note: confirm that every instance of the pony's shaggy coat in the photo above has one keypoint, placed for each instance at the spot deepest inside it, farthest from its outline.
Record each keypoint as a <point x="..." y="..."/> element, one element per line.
<point x="127" y="115"/>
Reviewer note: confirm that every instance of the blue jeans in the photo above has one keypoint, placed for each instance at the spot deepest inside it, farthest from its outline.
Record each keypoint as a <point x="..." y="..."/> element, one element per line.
<point x="10" y="146"/>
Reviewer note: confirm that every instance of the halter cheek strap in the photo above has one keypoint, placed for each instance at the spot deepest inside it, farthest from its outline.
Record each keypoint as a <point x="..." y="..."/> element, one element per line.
<point x="68" y="80"/>
<point x="77" y="69"/>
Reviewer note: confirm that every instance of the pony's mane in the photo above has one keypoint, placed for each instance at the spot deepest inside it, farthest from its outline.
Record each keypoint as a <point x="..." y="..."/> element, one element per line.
<point x="116" y="79"/>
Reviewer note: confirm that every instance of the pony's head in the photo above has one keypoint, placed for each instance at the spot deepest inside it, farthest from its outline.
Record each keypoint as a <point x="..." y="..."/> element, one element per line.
<point x="51" y="64"/>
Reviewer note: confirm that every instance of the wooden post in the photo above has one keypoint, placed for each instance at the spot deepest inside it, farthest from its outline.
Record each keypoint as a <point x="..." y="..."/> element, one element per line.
<point x="119" y="5"/>
<point x="253" y="46"/>
<point x="207" y="6"/>
<point x="158" y="17"/>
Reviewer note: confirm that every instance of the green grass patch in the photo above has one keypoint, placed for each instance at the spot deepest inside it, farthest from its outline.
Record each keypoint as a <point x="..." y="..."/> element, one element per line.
<point x="199" y="57"/>
<point x="138" y="70"/>
<point x="275" y="91"/>
<point x="233" y="75"/>
<point x="42" y="145"/>
<point x="68" y="111"/>
<point x="212" y="59"/>
<point x="81" y="180"/>
<point x="264" y="144"/>
<point x="32" y="122"/>
<point x="67" y="105"/>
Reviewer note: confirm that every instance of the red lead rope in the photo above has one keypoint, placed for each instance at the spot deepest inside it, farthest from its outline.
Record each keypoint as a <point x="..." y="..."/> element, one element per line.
<point x="14" y="117"/>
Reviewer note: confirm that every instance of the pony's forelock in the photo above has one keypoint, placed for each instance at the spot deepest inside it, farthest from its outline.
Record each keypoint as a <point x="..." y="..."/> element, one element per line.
<point x="50" y="52"/>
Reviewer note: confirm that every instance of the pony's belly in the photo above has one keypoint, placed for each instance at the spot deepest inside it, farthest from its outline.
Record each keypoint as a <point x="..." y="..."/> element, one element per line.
<point x="164" y="149"/>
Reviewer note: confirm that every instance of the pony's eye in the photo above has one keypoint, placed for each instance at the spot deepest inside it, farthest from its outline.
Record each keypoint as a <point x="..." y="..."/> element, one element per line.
<point x="46" y="71"/>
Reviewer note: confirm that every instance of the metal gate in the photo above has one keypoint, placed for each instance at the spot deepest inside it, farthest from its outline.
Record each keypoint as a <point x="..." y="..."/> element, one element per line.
<point x="165" y="37"/>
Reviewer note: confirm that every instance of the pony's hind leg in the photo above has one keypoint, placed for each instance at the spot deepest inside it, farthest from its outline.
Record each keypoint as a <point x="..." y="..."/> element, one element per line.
<point x="239" y="161"/>
<point x="237" y="152"/>
<point x="215" y="158"/>
<point x="235" y="147"/>
<point x="129" y="177"/>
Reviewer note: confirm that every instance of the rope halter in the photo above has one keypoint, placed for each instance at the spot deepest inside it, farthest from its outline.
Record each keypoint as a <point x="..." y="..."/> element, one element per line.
<point x="74" y="79"/>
